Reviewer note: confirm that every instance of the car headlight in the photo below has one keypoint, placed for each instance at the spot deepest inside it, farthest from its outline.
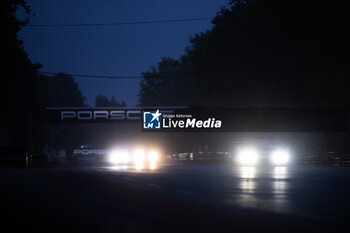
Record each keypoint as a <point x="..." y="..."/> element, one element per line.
<point x="125" y="157"/>
<point x="247" y="157"/>
<point x="118" y="157"/>
<point x="153" y="156"/>
<point x="114" y="157"/>
<point x="280" y="157"/>
<point x="139" y="156"/>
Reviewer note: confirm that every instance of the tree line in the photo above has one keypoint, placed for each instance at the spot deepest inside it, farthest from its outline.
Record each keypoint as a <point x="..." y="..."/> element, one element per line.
<point x="24" y="92"/>
<point x="260" y="53"/>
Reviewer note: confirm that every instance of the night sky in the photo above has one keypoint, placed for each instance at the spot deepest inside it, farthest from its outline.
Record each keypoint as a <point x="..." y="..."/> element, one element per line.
<point x="125" y="50"/>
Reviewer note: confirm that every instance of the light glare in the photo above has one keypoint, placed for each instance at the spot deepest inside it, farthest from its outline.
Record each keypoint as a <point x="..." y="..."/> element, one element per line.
<point x="139" y="156"/>
<point x="114" y="157"/>
<point x="280" y="157"/>
<point x="248" y="157"/>
<point x="153" y="166"/>
<point x="139" y="166"/>
<point x="153" y="155"/>
<point x="119" y="157"/>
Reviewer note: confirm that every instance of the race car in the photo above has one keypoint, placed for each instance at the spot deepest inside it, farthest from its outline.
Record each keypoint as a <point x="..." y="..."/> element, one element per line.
<point x="261" y="153"/>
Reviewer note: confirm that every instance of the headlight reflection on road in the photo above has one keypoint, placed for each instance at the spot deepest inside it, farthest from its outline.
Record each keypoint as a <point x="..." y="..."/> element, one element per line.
<point x="120" y="167"/>
<point x="247" y="174"/>
<point x="139" y="166"/>
<point x="254" y="181"/>
<point x="280" y="173"/>
<point x="146" y="165"/>
<point x="153" y="165"/>
<point x="247" y="186"/>
<point x="280" y="185"/>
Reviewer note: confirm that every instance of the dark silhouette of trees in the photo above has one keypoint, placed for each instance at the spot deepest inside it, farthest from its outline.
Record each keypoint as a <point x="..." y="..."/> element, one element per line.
<point x="63" y="91"/>
<point x="22" y="94"/>
<point x="260" y="53"/>
<point x="103" y="101"/>
<point x="25" y="93"/>
<point x="163" y="90"/>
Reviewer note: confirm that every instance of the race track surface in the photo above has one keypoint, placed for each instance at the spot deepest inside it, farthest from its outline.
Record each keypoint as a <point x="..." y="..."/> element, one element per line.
<point x="176" y="197"/>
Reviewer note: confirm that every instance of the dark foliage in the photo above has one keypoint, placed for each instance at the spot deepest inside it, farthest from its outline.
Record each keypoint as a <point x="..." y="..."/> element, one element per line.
<point x="63" y="91"/>
<point x="260" y="53"/>
<point x="103" y="101"/>
<point x="23" y="95"/>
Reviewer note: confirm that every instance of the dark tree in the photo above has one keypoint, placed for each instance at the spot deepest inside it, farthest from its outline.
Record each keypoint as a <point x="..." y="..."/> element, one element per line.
<point x="103" y="101"/>
<point x="162" y="83"/>
<point x="261" y="53"/>
<point x="64" y="91"/>
<point x="22" y="94"/>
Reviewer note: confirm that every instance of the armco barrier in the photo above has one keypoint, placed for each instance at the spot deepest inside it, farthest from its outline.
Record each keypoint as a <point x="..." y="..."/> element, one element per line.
<point x="328" y="158"/>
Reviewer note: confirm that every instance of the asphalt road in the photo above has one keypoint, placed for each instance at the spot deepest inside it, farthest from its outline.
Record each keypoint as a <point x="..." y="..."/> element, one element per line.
<point x="176" y="197"/>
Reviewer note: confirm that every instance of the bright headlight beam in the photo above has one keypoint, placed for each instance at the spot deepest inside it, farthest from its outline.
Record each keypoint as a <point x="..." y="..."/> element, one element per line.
<point x="119" y="157"/>
<point x="248" y="157"/>
<point x="114" y="157"/>
<point x="153" y="156"/>
<point x="153" y="165"/>
<point x="139" y="156"/>
<point x="124" y="157"/>
<point x="280" y="157"/>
